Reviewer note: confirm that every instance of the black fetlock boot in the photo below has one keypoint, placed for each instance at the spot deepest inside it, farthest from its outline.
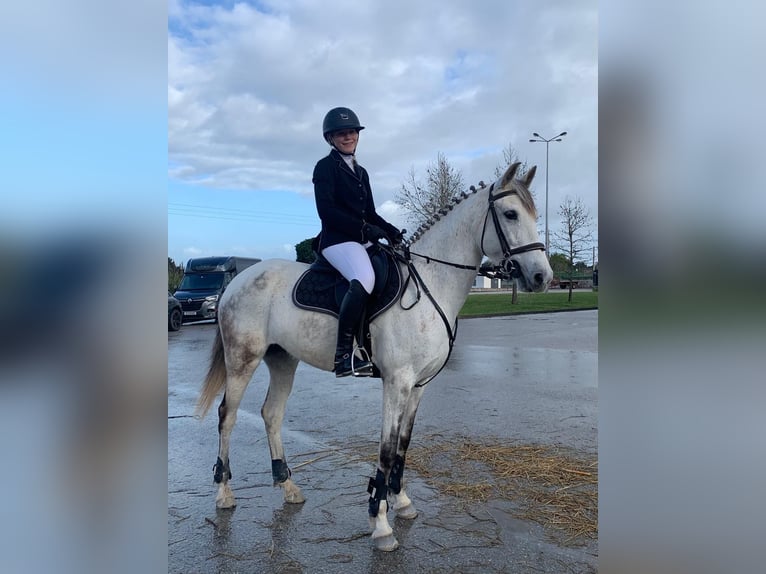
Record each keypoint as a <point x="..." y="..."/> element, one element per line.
<point x="350" y="312"/>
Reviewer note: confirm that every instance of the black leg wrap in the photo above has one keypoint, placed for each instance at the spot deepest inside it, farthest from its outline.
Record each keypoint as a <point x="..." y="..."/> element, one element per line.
<point x="395" y="478"/>
<point x="219" y="469"/>
<point x="279" y="471"/>
<point x="377" y="490"/>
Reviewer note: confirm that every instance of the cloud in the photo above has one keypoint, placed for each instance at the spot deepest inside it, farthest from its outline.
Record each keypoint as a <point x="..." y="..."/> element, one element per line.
<point x="193" y="252"/>
<point x="393" y="213"/>
<point x="250" y="84"/>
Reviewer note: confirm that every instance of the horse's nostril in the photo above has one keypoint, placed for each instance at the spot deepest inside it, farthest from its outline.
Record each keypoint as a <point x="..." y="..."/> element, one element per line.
<point x="539" y="278"/>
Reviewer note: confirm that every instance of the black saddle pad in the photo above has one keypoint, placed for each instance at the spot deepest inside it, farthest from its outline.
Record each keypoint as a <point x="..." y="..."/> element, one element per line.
<point x="321" y="288"/>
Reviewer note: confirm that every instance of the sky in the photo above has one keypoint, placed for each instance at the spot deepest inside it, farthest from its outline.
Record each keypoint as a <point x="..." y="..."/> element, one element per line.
<point x="250" y="82"/>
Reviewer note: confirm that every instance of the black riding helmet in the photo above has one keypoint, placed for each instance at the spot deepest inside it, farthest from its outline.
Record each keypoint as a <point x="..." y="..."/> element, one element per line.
<point x="340" y="119"/>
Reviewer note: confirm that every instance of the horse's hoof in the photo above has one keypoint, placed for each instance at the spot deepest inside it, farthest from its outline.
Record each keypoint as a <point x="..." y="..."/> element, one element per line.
<point x="294" y="497"/>
<point x="293" y="494"/>
<point x="225" y="497"/>
<point x="386" y="543"/>
<point x="408" y="512"/>
<point x="225" y="502"/>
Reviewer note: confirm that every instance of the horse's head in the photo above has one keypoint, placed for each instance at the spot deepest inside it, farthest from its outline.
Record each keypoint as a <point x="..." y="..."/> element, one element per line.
<point x="509" y="237"/>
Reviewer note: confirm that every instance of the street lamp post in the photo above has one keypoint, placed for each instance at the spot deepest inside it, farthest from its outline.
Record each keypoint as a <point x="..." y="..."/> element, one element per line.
<point x="547" y="141"/>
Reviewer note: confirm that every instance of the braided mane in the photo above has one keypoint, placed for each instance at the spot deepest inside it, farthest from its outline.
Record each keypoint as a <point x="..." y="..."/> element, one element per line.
<point x="420" y="231"/>
<point x="521" y="190"/>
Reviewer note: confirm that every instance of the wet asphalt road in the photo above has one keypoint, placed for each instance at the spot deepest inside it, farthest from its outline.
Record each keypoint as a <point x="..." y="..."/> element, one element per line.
<point x="528" y="379"/>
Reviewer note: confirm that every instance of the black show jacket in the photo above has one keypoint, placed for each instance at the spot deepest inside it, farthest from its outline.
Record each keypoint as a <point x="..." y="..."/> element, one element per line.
<point x="344" y="202"/>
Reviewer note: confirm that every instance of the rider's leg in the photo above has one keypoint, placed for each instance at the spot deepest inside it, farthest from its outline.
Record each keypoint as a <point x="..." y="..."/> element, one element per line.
<point x="348" y="321"/>
<point x="352" y="261"/>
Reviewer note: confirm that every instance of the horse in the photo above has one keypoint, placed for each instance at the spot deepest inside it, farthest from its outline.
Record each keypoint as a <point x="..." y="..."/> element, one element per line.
<point x="410" y="342"/>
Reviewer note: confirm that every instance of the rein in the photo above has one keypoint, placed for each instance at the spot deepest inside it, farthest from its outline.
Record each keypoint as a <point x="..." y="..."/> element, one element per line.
<point x="428" y="259"/>
<point x="404" y="257"/>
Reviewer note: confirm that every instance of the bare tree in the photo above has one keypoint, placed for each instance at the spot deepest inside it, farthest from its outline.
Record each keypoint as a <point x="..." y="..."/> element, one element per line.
<point x="510" y="155"/>
<point x="575" y="235"/>
<point x="422" y="200"/>
<point x="414" y="198"/>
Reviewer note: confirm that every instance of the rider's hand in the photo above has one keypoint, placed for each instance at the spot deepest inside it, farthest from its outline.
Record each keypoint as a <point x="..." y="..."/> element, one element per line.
<point x="398" y="237"/>
<point x="374" y="233"/>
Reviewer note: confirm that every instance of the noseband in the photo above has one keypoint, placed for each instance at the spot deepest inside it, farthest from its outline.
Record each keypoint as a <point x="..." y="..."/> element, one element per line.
<point x="507" y="265"/>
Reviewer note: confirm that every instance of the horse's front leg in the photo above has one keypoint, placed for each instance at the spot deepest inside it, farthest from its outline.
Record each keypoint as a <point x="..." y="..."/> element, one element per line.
<point x="282" y="368"/>
<point x="395" y="399"/>
<point x="400" y="502"/>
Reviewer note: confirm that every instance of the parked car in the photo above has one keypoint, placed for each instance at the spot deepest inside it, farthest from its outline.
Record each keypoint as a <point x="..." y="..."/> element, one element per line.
<point x="204" y="281"/>
<point x="175" y="313"/>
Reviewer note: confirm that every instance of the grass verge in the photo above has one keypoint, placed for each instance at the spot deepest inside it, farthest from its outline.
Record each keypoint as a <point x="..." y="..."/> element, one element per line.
<point x="492" y="304"/>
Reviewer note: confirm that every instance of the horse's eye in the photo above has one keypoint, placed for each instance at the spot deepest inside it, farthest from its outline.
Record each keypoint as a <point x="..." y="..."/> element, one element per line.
<point x="512" y="214"/>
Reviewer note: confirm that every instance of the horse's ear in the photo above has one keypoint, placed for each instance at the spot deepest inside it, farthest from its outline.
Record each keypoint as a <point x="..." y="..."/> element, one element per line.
<point x="509" y="173"/>
<point x="530" y="175"/>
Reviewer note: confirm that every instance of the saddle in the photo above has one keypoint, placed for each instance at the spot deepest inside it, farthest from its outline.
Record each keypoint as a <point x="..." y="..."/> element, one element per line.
<point x="321" y="288"/>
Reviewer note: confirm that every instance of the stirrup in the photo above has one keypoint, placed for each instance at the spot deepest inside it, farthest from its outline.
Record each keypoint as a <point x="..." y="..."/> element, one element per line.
<point x="365" y="366"/>
<point x="363" y="370"/>
<point x="351" y="365"/>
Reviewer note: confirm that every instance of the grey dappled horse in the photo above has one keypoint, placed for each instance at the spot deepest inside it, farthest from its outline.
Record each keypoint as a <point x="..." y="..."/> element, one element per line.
<point x="257" y="321"/>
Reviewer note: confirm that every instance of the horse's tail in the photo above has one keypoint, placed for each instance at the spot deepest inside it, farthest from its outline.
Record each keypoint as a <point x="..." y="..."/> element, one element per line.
<point x="215" y="379"/>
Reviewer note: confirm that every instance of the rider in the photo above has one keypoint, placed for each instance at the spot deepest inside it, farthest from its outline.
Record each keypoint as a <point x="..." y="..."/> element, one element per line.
<point x="350" y="224"/>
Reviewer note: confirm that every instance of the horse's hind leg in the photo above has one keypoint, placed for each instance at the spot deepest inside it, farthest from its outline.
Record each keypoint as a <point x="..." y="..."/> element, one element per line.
<point x="400" y="502"/>
<point x="282" y="368"/>
<point x="227" y="416"/>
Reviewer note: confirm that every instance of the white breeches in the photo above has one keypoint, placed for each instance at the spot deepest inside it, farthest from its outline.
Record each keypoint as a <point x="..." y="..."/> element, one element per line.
<point x="352" y="261"/>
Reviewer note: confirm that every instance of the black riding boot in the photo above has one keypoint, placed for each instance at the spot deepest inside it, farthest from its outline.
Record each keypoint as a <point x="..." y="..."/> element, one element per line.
<point x="350" y="312"/>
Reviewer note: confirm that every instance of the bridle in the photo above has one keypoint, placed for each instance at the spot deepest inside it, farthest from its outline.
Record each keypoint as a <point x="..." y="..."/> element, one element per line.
<point x="507" y="269"/>
<point x="507" y="266"/>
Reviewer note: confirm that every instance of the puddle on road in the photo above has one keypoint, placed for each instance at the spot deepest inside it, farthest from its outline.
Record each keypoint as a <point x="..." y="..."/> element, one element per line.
<point x="481" y="533"/>
<point x="576" y="367"/>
